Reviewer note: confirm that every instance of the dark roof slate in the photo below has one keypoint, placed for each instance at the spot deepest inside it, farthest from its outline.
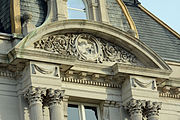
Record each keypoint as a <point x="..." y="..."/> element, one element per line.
<point x="154" y="35"/>
<point x="5" y="23"/>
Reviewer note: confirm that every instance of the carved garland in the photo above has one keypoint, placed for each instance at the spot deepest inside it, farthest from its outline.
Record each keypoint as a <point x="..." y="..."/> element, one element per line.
<point x="85" y="47"/>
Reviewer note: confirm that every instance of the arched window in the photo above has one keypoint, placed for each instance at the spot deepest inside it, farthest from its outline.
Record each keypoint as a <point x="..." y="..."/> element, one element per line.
<point x="77" y="9"/>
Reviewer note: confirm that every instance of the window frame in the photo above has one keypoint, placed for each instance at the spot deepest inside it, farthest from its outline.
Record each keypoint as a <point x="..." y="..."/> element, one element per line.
<point x="85" y="2"/>
<point x="81" y="109"/>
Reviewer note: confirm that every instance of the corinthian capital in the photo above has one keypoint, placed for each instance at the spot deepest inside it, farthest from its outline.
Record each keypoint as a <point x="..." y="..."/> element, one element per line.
<point x="55" y="96"/>
<point x="135" y="106"/>
<point x="35" y="94"/>
<point x="152" y="110"/>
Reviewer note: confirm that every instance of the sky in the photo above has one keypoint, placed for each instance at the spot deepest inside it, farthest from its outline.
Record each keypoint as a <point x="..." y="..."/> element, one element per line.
<point x="167" y="10"/>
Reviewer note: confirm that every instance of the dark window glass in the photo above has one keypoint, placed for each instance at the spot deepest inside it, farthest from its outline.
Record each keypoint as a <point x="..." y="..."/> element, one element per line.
<point x="73" y="112"/>
<point x="91" y="113"/>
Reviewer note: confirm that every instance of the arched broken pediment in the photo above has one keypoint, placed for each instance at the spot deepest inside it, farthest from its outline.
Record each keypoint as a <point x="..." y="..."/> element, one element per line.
<point x="90" y="42"/>
<point x="86" y="47"/>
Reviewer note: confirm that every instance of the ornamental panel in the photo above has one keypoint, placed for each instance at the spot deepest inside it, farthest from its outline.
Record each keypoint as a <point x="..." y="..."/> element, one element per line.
<point x="85" y="47"/>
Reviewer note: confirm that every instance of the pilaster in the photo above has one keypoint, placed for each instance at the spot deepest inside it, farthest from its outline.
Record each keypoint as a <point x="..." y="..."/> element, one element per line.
<point x="57" y="10"/>
<point x="110" y="110"/>
<point x="65" y="107"/>
<point x="103" y="11"/>
<point x="62" y="12"/>
<point x="93" y="8"/>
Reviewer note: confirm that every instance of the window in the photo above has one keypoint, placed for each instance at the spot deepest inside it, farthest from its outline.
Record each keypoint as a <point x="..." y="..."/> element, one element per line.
<point x="77" y="9"/>
<point x="83" y="112"/>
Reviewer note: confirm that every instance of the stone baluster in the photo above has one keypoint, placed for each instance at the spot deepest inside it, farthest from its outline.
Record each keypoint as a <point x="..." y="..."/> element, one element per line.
<point x="35" y="98"/>
<point x="135" y="108"/>
<point x="152" y="110"/>
<point x="55" y="108"/>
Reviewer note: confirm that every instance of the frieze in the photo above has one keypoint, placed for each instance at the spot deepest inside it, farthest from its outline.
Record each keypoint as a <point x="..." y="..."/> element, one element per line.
<point x="85" y="47"/>
<point x="7" y="74"/>
<point x="89" y="82"/>
<point x="53" y="71"/>
<point x="151" y="84"/>
<point x="169" y="92"/>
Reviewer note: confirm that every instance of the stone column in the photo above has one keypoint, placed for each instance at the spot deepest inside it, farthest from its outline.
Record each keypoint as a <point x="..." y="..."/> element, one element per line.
<point x="152" y="110"/>
<point x="135" y="108"/>
<point x="35" y="98"/>
<point x="55" y="108"/>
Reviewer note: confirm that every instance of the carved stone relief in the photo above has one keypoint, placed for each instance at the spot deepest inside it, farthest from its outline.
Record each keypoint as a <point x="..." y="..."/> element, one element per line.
<point x="143" y="83"/>
<point x="85" y="47"/>
<point x="41" y="69"/>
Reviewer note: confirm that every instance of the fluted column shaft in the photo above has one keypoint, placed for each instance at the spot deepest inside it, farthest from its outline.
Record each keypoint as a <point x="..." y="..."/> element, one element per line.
<point x="135" y="108"/>
<point x="55" y="107"/>
<point x="152" y="110"/>
<point x="34" y="96"/>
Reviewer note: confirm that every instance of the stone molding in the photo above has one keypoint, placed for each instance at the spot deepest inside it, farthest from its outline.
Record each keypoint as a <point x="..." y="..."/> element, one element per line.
<point x="7" y="74"/>
<point x="108" y="103"/>
<point x="169" y="95"/>
<point x="169" y="92"/>
<point x="105" y="108"/>
<point x="88" y="82"/>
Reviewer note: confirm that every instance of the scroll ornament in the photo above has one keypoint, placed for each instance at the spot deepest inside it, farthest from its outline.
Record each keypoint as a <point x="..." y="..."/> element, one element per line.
<point x="85" y="47"/>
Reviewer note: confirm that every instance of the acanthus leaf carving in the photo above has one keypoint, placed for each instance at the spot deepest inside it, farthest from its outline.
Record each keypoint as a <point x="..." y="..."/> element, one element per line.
<point x="85" y="47"/>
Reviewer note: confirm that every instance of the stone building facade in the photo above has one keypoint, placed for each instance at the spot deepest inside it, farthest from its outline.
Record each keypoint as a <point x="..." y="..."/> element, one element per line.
<point x="120" y="63"/>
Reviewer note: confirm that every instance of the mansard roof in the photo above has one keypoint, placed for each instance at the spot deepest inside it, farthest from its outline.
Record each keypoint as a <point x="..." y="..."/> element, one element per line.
<point x="154" y="33"/>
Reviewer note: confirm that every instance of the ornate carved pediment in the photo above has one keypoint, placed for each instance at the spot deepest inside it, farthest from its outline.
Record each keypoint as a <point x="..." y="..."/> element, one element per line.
<point x="85" y="47"/>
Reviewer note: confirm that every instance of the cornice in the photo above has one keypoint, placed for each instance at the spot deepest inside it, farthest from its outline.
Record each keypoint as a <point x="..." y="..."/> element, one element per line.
<point x="169" y="95"/>
<point x="128" y="16"/>
<point x="159" y="21"/>
<point x="151" y="72"/>
<point x="88" y="82"/>
<point x="5" y="36"/>
<point x="7" y="74"/>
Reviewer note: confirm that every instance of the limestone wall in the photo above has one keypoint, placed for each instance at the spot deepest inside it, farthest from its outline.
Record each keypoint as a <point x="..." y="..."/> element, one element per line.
<point x="9" y="103"/>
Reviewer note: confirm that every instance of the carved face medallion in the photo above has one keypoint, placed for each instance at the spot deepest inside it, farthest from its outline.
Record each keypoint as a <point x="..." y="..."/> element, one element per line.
<point x="87" y="46"/>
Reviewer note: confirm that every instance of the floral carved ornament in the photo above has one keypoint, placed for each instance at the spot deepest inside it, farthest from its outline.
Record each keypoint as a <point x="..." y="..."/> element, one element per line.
<point x="85" y="47"/>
